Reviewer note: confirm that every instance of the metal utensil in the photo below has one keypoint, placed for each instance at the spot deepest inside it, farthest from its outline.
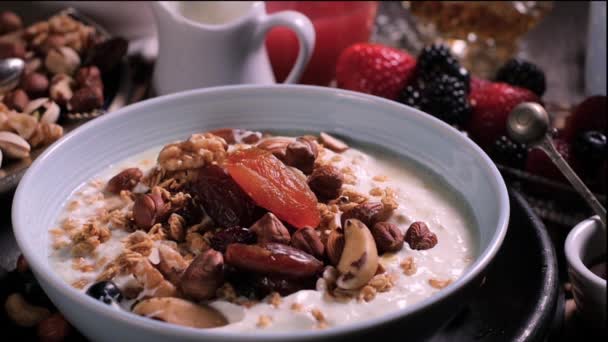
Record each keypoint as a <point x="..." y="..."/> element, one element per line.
<point x="528" y="123"/>
<point x="10" y="73"/>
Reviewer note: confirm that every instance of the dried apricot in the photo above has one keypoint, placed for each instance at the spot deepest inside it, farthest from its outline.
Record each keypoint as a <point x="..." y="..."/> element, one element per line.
<point x="274" y="186"/>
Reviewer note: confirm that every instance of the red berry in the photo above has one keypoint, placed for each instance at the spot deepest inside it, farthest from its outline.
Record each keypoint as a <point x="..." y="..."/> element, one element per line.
<point x="491" y="104"/>
<point x="539" y="163"/>
<point x="588" y="115"/>
<point x="374" y="69"/>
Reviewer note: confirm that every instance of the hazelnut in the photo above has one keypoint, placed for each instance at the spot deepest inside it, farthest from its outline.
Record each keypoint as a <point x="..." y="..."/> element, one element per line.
<point x="16" y="100"/>
<point x="9" y="22"/>
<point x="86" y="99"/>
<point x="388" y="237"/>
<point x="367" y="212"/>
<point x="270" y="229"/>
<point x="301" y="154"/>
<point x="61" y="88"/>
<point x="333" y="143"/>
<point x="148" y="209"/>
<point x="308" y="241"/>
<point x="335" y="246"/>
<point x="326" y="182"/>
<point x="125" y="180"/>
<point x="203" y="276"/>
<point x="12" y="49"/>
<point x="62" y="60"/>
<point x="420" y="237"/>
<point x="53" y="329"/>
<point x="35" y="84"/>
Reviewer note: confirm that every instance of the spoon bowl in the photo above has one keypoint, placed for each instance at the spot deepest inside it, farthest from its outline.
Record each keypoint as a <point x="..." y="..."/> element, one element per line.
<point x="528" y="123"/>
<point x="10" y="73"/>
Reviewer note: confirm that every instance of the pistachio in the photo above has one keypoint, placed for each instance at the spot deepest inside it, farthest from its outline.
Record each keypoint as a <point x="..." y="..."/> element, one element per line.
<point x="24" y="124"/>
<point x="45" y="108"/>
<point x="204" y="276"/>
<point x="333" y="143"/>
<point x="308" y="241"/>
<point x="13" y="145"/>
<point x="270" y="229"/>
<point x="180" y="312"/>
<point x="359" y="260"/>
<point x="171" y="264"/>
<point x="62" y="60"/>
<point x="61" y="88"/>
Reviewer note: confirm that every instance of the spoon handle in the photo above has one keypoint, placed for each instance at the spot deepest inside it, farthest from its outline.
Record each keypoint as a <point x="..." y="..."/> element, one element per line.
<point x="547" y="146"/>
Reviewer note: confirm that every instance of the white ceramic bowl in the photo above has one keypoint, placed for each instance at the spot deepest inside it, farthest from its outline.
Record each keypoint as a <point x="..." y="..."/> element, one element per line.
<point x="365" y="119"/>
<point x="586" y="243"/>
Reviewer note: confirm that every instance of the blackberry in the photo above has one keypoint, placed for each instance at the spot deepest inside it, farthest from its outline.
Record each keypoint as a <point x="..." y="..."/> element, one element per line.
<point x="523" y="74"/>
<point x="436" y="60"/>
<point x="590" y="148"/>
<point x="444" y="97"/>
<point x="509" y="153"/>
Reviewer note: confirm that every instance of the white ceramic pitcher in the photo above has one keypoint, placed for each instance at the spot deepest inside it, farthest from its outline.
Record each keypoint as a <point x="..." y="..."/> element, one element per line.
<point x="208" y="43"/>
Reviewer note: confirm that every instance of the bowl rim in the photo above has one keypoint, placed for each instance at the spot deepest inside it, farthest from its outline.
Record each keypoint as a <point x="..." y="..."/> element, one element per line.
<point x="576" y="242"/>
<point x="473" y="271"/>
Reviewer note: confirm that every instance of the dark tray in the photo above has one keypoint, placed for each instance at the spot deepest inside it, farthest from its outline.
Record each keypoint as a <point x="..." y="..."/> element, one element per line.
<point x="519" y="301"/>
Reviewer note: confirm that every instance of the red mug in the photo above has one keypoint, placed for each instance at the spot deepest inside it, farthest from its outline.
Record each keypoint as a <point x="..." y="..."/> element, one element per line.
<point x="338" y="24"/>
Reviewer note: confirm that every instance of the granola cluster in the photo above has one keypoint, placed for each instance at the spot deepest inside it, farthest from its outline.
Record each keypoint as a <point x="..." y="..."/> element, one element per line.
<point x="209" y="221"/>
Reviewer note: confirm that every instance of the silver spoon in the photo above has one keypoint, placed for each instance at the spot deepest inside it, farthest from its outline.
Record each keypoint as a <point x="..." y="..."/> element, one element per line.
<point x="528" y="123"/>
<point x="10" y="73"/>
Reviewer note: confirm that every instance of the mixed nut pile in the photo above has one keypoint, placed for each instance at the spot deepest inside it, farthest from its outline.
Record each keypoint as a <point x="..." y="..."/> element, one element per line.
<point x="64" y="63"/>
<point x="241" y="216"/>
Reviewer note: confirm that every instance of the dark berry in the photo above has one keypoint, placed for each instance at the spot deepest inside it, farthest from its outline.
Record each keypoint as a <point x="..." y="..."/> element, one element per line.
<point x="436" y="60"/>
<point x="508" y="152"/>
<point x="590" y="148"/>
<point x="105" y="291"/>
<point x="191" y="212"/>
<point x="444" y="97"/>
<point x="222" y="198"/>
<point x="523" y="74"/>
<point x="220" y="240"/>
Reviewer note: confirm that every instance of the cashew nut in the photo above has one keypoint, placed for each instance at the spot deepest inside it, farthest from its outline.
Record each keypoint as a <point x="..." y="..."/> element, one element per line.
<point x="171" y="263"/>
<point x="13" y="145"/>
<point x="359" y="259"/>
<point x="180" y="312"/>
<point x="23" y="313"/>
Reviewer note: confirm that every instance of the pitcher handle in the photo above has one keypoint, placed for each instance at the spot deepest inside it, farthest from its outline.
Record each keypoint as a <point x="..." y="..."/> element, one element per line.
<point x="305" y="32"/>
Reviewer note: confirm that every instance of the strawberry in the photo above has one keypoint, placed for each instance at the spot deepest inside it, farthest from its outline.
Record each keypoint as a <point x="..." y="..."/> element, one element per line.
<point x="588" y="115"/>
<point x="374" y="69"/>
<point x="491" y="104"/>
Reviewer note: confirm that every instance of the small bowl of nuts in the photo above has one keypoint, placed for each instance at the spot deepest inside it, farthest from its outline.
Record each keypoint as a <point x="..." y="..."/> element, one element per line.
<point x="69" y="75"/>
<point x="261" y="213"/>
